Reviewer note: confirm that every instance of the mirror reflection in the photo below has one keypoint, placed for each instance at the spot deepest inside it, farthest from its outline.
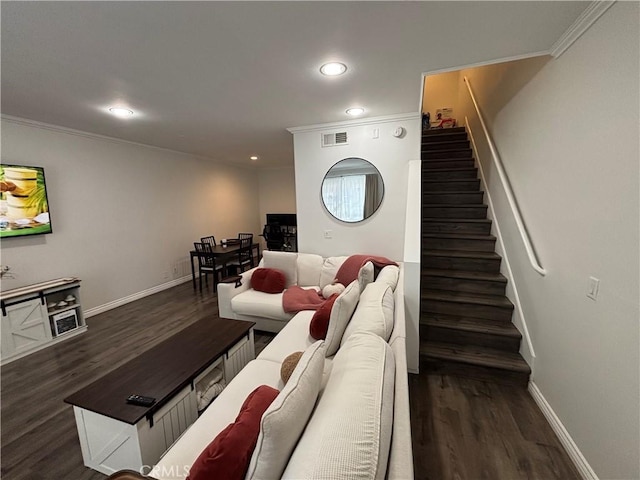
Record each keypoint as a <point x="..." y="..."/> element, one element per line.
<point x="352" y="190"/>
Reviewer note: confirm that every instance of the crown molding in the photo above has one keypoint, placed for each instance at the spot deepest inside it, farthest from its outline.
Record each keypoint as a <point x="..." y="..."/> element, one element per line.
<point x="592" y="13"/>
<point x="96" y="136"/>
<point x="356" y="123"/>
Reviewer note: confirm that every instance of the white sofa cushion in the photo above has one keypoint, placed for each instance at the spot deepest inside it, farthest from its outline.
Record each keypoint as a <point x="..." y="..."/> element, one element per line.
<point x="285" y="419"/>
<point x="374" y="313"/>
<point x="329" y="269"/>
<point x="260" y="304"/>
<point x="341" y="313"/>
<point x="294" y="337"/>
<point x="349" y="435"/>
<point x="309" y="267"/>
<point x="176" y="462"/>
<point x="389" y="275"/>
<point x="365" y="275"/>
<point x="284" y="261"/>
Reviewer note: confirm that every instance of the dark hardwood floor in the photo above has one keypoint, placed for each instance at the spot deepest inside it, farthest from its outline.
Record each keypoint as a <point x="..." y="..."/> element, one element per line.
<point x="462" y="429"/>
<point x="470" y="430"/>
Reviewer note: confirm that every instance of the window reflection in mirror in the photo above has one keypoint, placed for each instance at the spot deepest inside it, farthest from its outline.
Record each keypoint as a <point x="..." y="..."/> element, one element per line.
<point x="352" y="190"/>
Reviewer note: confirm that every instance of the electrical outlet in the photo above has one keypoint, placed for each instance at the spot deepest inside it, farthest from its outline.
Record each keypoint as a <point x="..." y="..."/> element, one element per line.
<point x="328" y="234"/>
<point x="593" y="287"/>
<point x="165" y="275"/>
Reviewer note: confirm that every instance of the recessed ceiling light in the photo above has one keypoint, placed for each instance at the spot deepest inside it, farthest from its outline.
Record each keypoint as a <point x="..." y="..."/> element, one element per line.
<point x="355" y="111"/>
<point x="121" y="112"/>
<point x="332" y="69"/>
<point x="254" y="157"/>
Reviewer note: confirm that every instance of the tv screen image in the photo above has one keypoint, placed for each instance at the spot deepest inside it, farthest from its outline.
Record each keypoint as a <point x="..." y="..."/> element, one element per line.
<point x="24" y="208"/>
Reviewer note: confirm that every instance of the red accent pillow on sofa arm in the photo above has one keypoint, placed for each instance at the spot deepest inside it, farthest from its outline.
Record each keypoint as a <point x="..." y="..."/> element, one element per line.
<point x="320" y="322"/>
<point x="268" y="280"/>
<point x="229" y="454"/>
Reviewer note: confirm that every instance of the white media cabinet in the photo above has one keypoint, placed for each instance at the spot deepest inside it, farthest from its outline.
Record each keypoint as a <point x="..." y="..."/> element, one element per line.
<point x="33" y="317"/>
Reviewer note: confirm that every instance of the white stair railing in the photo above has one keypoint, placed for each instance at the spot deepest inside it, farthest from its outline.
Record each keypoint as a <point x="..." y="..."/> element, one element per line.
<point x="507" y="188"/>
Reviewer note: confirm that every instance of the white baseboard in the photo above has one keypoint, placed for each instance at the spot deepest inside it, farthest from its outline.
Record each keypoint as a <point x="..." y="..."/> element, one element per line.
<point x="136" y="296"/>
<point x="563" y="435"/>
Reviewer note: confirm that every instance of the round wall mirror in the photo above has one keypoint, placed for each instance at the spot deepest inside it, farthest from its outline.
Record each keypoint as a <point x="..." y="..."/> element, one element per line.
<point x="352" y="190"/>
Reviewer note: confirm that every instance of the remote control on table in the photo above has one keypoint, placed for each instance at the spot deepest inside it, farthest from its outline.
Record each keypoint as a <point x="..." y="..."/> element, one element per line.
<point x="140" y="400"/>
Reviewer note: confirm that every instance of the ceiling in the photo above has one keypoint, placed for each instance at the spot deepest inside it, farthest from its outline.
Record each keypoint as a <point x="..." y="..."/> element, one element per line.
<point x="223" y="80"/>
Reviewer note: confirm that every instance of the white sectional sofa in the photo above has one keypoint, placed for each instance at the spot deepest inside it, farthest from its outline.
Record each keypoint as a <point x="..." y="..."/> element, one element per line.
<point x="358" y="426"/>
<point x="306" y="270"/>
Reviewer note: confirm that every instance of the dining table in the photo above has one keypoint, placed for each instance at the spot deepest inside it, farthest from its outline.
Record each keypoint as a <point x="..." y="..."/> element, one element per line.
<point x="221" y="253"/>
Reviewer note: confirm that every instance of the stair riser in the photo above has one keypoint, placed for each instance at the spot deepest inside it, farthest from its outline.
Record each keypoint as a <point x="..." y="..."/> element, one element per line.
<point x="459" y="244"/>
<point x="450" y="175"/>
<point x="470" y="185"/>
<point x="463" y="285"/>
<point x="466" y="153"/>
<point x="448" y="137"/>
<point x="496" y="375"/>
<point x="452" y="198"/>
<point x="431" y="211"/>
<point x="464" y="337"/>
<point x="460" y="227"/>
<point x="464" y="264"/>
<point x="467" y="310"/>
<point x="454" y="145"/>
<point x="437" y="132"/>
<point x="452" y="163"/>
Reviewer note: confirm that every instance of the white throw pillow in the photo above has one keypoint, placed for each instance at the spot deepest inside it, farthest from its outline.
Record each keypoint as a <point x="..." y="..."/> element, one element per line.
<point x="329" y="269"/>
<point x="349" y="435"/>
<point x="283" y="422"/>
<point x="283" y="261"/>
<point x="309" y="267"/>
<point x="389" y="275"/>
<point x="341" y="312"/>
<point x="374" y="313"/>
<point x="365" y="275"/>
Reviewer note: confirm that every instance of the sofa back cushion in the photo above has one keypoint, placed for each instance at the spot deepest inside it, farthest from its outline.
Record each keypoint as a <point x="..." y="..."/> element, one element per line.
<point x="283" y="261"/>
<point x="309" y="267"/>
<point x="285" y="419"/>
<point x="389" y="275"/>
<point x="268" y="280"/>
<point x="341" y="313"/>
<point x="329" y="269"/>
<point x="374" y="313"/>
<point x="349" y="435"/>
<point x="365" y="275"/>
<point x="228" y="455"/>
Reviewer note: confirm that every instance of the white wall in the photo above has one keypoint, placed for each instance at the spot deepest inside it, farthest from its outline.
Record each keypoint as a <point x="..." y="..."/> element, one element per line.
<point x="123" y="215"/>
<point x="381" y="234"/>
<point x="441" y="91"/>
<point x="277" y="192"/>
<point x="569" y="141"/>
<point x="384" y="233"/>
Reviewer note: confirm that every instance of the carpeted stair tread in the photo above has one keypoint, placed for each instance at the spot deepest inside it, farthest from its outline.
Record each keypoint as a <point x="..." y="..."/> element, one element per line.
<point x="473" y="355"/>
<point x="461" y="274"/>
<point x="499" y="301"/>
<point x="449" y="169"/>
<point x="476" y="325"/>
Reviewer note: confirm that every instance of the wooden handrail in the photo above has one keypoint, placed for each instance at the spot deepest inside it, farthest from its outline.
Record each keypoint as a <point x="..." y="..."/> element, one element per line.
<point x="507" y="188"/>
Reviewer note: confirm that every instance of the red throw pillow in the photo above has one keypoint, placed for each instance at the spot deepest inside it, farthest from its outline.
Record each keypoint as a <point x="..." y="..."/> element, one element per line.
<point x="268" y="280"/>
<point x="229" y="454"/>
<point x="320" y="321"/>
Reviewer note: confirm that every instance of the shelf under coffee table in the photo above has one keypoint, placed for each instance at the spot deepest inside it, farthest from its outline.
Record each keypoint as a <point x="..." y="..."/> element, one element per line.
<point x="115" y="435"/>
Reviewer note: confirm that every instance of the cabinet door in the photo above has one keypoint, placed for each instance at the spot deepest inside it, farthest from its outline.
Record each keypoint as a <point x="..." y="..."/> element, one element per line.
<point x="26" y="326"/>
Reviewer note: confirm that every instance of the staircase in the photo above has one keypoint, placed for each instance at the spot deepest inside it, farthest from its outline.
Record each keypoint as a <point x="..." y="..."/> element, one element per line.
<point x="465" y="317"/>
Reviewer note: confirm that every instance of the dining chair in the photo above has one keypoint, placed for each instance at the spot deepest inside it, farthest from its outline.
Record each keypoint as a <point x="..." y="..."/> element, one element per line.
<point x="245" y="235"/>
<point x="211" y="240"/>
<point x="207" y="264"/>
<point x="244" y="259"/>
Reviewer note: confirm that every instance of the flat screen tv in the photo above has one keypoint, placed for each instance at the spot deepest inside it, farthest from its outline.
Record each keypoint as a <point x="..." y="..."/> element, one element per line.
<point x="24" y="208"/>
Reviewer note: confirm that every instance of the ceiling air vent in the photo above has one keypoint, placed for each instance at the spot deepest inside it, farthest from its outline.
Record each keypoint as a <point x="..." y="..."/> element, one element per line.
<point x="333" y="139"/>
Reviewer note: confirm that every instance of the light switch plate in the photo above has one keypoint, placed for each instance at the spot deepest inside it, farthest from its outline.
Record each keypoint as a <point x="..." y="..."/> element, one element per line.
<point x="328" y="234"/>
<point x="593" y="287"/>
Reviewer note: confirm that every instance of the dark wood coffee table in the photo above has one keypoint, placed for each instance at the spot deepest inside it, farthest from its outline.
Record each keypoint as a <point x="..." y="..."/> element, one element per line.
<point x="116" y="435"/>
